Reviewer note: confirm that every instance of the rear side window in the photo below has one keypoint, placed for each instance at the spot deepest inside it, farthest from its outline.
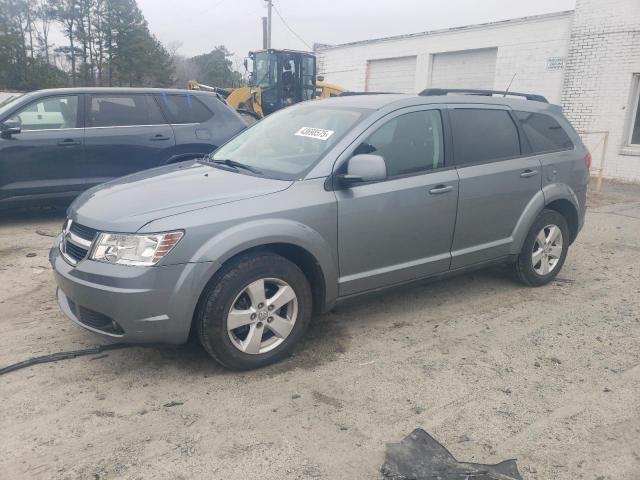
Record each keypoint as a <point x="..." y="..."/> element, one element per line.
<point x="483" y="135"/>
<point x="543" y="132"/>
<point x="124" y="110"/>
<point x="409" y="143"/>
<point x="184" y="108"/>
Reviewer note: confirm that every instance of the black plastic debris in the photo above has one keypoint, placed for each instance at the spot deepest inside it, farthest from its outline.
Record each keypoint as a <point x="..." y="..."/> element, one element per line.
<point x="419" y="456"/>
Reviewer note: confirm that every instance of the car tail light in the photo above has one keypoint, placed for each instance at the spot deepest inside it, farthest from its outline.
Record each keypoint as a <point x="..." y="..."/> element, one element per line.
<point x="587" y="160"/>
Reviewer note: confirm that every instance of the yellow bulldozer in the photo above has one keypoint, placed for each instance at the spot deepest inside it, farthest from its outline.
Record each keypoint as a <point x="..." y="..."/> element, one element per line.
<point x="278" y="78"/>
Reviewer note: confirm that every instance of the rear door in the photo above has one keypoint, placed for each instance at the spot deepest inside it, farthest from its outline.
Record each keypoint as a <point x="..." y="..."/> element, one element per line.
<point x="497" y="181"/>
<point x="125" y="133"/>
<point x="46" y="158"/>
<point x="189" y="118"/>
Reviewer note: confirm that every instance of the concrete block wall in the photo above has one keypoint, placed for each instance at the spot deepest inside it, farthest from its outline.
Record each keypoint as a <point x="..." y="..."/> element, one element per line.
<point x="604" y="56"/>
<point x="524" y="47"/>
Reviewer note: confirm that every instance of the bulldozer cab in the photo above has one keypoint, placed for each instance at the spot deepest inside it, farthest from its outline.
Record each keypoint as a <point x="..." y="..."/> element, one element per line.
<point x="284" y="77"/>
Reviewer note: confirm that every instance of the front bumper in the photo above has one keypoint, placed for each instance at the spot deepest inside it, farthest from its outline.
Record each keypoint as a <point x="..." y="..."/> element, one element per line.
<point x="132" y="304"/>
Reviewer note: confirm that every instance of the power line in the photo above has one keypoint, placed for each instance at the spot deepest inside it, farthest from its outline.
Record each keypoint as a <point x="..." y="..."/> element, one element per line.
<point x="291" y="29"/>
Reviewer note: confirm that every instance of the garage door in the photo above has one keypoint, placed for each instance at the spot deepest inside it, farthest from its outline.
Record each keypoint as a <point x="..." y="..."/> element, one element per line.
<point x="464" y="69"/>
<point x="391" y="75"/>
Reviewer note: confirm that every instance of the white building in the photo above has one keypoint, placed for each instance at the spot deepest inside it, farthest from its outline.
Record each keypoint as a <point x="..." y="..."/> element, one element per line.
<point x="587" y="60"/>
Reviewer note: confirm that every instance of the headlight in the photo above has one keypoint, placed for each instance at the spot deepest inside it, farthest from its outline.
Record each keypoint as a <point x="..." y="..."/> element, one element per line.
<point x="140" y="250"/>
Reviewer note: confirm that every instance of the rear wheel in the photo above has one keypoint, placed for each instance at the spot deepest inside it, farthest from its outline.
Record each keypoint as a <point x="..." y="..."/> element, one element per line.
<point x="545" y="249"/>
<point x="256" y="311"/>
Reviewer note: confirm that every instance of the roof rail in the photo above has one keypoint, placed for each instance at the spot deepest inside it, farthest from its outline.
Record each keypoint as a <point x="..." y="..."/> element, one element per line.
<point x="352" y="94"/>
<point x="468" y="91"/>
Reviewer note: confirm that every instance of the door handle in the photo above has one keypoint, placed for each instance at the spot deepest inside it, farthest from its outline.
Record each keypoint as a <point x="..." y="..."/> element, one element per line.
<point x="440" y="189"/>
<point x="529" y="173"/>
<point x="67" y="142"/>
<point x="159" y="137"/>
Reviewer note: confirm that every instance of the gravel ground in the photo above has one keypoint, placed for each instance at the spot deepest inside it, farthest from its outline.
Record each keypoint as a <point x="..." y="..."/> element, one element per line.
<point x="494" y="370"/>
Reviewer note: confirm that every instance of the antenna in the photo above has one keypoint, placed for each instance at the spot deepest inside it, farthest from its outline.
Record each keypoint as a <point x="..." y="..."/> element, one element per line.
<point x="509" y="86"/>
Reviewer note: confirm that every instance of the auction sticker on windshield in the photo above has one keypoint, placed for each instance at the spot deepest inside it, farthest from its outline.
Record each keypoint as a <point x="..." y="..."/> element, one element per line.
<point x="317" y="133"/>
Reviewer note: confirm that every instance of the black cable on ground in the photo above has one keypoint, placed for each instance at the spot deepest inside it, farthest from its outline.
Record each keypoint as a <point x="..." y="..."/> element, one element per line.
<point x="54" y="357"/>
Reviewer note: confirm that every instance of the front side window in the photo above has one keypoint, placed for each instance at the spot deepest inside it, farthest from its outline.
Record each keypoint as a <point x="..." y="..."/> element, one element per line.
<point x="289" y="142"/>
<point x="543" y="132"/>
<point x="123" y="111"/>
<point x="308" y="78"/>
<point x="184" y="108"/>
<point x="409" y="143"/>
<point x="48" y="113"/>
<point x="483" y="135"/>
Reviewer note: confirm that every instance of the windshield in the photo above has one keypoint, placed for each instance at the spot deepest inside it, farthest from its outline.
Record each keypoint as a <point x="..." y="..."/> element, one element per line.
<point x="288" y="143"/>
<point x="265" y="69"/>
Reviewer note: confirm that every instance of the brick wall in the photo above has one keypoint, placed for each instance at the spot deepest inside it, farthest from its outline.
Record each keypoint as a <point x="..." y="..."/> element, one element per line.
<point x="585" y="60"/>
<point x="604" y="55"/>
<point x="524" y="47"/>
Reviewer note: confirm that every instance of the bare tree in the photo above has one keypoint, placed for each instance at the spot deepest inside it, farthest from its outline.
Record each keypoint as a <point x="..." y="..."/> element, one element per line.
<point x="42" y="27"/>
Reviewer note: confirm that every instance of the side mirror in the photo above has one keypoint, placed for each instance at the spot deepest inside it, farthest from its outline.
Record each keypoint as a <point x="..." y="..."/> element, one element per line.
<point x="364" y="168"/>
<point x="9" y="128"/>
<point x="246" y="65"/>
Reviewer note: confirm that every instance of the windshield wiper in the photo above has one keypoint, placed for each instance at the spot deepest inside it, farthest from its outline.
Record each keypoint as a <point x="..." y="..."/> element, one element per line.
<point x="236" y="165"/>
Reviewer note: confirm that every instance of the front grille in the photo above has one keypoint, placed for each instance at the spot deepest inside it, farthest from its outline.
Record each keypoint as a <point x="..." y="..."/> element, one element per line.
<point x="75" y="252"/>
<point x="86" y="233"/>
<point x="76" y="242"/>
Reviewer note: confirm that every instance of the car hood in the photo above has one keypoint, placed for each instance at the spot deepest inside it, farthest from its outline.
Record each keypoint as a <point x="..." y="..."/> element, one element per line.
<point x="127" y="204"/>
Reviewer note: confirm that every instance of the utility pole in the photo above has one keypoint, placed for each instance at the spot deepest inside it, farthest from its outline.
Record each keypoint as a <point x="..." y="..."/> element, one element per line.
<point x="265" y="33"/>
<point x="269" y="6"/>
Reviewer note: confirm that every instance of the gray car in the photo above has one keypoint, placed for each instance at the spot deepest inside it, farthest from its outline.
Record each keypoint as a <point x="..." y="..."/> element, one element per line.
<point x="316" y="203"/>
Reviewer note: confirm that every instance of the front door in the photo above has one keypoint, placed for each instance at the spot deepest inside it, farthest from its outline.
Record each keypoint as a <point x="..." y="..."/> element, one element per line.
<point x="401" y="228"/>
<point x="46" y="158"/>
<point x="125" y="133"/>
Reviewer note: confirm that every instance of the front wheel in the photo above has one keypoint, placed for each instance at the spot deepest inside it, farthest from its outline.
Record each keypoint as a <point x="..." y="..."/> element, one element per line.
<point x="255" y="312"/>
<point x="544" y="250"/>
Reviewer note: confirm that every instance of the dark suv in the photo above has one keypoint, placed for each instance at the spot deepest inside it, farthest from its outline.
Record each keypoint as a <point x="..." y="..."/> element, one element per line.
<point x="317" y="203"/>
<point x="56" y="143"/>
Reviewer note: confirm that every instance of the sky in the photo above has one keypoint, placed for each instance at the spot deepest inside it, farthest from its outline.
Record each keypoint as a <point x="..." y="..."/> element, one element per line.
<point x="196" y="26"/>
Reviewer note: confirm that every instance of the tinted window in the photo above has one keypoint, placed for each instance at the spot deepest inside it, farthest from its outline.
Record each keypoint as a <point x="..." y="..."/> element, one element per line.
<point x="543" y="132"/>
<point x="483" y="135"/>
<point x="48" y="113"/>
<point x="123" y="110"/>
<point x="409" y="143"/>
<point x="184" y="108"/>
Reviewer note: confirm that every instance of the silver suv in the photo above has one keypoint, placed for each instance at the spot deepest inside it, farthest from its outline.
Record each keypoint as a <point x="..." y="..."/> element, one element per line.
<point x="316" y="203"/>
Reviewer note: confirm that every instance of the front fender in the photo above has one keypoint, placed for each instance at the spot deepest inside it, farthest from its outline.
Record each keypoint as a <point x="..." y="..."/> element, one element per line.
<point x="256" y="233"/>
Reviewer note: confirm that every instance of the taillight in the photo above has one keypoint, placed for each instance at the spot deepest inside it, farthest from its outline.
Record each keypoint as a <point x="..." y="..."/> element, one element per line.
<point x="587" y="160"/>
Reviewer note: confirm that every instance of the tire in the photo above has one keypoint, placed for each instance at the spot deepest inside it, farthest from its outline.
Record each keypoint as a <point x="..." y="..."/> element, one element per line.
<point x="538" y="273"/>
<point x="268" y="331"/>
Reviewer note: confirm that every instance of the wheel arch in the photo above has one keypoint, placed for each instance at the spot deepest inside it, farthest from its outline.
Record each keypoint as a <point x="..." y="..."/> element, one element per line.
<point x="296" y="242"/>
<point x="558" y="197"/>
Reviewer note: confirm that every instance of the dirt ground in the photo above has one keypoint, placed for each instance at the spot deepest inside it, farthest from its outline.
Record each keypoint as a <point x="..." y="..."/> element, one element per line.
<point x="492" y="369"/>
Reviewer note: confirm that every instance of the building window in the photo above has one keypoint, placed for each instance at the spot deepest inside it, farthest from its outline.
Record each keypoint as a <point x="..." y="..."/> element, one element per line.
<point x="634" y="134"/>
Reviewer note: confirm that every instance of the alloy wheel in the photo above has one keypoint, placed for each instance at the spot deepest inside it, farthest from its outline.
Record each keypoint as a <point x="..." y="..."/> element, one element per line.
<point x="262" y="316"/>
<point x="547" y="250"/>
